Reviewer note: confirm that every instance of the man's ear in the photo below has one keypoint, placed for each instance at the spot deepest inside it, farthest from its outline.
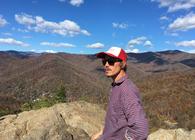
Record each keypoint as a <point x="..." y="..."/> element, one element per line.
<point x="123" y="64"/>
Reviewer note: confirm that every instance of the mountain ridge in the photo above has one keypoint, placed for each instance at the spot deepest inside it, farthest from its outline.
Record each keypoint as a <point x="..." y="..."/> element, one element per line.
<point x="41" y="77"/>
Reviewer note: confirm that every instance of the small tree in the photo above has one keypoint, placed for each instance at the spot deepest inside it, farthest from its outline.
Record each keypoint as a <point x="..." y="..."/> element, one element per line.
<point x="61" y="94"/>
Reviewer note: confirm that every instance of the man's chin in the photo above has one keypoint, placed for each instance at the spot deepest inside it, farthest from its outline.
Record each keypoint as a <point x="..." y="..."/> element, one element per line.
<point x="107" y="74"/>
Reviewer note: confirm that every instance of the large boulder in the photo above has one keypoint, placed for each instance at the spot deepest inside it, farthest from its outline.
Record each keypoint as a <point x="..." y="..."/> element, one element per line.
<point x="68" y="121"/>
<point x="172" y="134"/>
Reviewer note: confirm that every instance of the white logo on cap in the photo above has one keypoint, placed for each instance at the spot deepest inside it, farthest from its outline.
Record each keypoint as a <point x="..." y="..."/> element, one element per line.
<point x="115" y="51"/>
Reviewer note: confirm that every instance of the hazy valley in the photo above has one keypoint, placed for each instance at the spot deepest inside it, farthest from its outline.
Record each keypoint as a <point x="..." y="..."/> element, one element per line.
<point x="166" y="81"/>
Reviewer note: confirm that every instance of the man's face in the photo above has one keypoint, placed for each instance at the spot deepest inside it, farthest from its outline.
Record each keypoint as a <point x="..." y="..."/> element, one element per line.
<point x="112" y="66"/>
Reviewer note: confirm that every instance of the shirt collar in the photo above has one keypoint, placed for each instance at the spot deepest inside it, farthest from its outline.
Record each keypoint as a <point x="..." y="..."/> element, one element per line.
<point x="120" y="81"/>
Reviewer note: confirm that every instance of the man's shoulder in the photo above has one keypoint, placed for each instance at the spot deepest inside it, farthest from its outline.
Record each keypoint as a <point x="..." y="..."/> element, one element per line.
<point x="128" y="87"/>
<point x="128" y="84"/>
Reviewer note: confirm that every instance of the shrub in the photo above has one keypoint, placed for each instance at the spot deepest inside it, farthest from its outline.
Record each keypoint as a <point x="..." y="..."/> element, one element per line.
<point x="60" y="97"/>
<point x="4" y="112"/>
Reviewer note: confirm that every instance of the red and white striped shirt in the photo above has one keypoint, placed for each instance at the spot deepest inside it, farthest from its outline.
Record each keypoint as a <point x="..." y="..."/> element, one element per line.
<point x="125" y="117"/>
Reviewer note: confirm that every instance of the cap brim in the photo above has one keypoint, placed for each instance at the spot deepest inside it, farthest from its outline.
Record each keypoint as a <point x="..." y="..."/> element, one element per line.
<point x="103" y="54"/>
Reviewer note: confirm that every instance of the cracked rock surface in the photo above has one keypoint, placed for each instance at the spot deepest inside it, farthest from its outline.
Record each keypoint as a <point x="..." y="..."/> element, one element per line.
<point x="67" y="121"/>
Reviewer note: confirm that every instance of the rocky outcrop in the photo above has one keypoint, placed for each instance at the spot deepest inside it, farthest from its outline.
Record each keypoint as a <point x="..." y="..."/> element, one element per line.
<point x="70" y="121"/>
<point x="172" y="134"/>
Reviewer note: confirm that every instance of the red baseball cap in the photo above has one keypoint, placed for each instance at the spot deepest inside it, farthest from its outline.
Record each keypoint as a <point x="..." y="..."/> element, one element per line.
<point x="115" y="52"/>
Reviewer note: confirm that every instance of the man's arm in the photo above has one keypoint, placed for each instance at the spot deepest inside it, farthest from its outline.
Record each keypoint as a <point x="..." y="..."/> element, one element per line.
<point x="134" y="113"/>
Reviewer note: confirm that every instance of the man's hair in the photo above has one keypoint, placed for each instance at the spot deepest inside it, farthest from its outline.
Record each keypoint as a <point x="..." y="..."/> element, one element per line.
<point x="125" y="68"/>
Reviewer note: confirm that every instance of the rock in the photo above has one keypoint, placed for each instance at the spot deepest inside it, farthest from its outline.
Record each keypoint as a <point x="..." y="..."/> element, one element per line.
<point x="172" y="134"/>
<point x="192" y="135"/>
<point x="171" y="125"/>
<point x="68" y="121"/>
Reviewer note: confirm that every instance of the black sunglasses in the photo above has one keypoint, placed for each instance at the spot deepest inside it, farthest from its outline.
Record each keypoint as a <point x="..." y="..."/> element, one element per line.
<point x="110" y="61"/>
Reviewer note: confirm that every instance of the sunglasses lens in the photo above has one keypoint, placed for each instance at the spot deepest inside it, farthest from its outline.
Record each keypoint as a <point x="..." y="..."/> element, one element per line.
<point x="110" y="61"/>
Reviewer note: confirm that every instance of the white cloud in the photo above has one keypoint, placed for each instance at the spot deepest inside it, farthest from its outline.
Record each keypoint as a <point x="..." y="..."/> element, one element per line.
<point x="191" y="51"/>
<point x="176" y="5"/>
<point x="174" y="34"/>
<point x="164" y="3"/>
<point x="132" y="50"/>
<point x="183" y="23"/>
<point x="22" y="30"/>
<point x="190" y="43"/>
<point x="120" y="25"/>
<point x="42" y="51"/>
<point x="76" y="2"/>
<point x="3" y="22"/>
<point x="96" y="45"/>
<point x="65" y="45"/>
<point x="49" y="51"/>
<point x="168" y="42"/>
<point x="38" y="24"/>
<point x="187" y="4"/>
<point x="13" y="42"/>
<point x="25" y="19"/>
<point x="171" y="33"/>
<point x="148" y="43"/>
<point x="164" y="18"/>
<point x="138" y="41"/>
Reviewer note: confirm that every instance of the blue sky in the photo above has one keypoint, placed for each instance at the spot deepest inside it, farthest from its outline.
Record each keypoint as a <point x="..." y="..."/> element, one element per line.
<point x="91" y="26"/>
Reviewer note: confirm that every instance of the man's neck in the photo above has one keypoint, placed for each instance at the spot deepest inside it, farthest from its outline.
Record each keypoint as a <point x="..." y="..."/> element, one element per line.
<point x="118" y="76"/>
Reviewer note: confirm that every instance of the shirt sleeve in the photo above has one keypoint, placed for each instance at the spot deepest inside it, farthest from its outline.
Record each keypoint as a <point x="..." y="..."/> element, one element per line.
<point x="134" y="114"/>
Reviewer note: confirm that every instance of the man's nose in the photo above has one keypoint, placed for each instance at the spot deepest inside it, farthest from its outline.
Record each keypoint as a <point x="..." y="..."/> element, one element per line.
<point x="106" y="65"/>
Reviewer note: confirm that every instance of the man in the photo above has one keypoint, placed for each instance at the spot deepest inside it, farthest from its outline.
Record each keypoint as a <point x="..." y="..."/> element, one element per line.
<point x="125" y="117"/>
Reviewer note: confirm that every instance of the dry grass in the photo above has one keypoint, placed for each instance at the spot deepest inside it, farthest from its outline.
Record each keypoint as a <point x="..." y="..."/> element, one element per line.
<point x="169" y="97"/>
